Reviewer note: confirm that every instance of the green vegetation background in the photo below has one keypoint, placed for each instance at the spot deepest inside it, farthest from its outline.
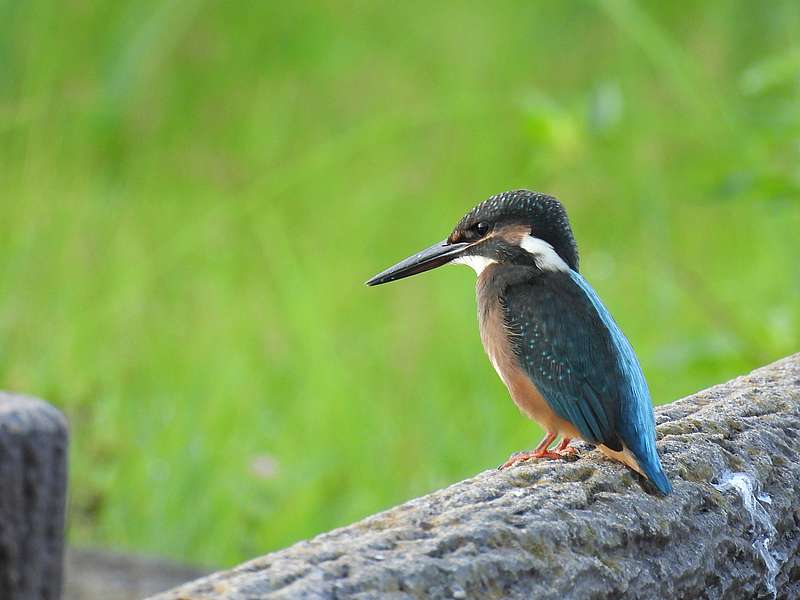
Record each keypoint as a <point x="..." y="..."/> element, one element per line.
<point x="192" y="194"/>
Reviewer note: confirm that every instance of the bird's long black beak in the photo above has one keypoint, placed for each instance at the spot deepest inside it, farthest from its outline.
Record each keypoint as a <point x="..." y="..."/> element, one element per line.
<point x="430" y="258"/>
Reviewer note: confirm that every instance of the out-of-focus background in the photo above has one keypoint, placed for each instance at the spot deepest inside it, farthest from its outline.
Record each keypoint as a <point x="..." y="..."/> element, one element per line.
<point x="193" y="193"/>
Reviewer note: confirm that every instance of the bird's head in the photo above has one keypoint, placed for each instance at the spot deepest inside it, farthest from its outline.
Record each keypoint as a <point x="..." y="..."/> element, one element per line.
<point x="519" y="227"/>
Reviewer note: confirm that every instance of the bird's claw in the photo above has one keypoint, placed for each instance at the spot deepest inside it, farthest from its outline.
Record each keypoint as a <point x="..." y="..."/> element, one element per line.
<point x="567" y="453"/>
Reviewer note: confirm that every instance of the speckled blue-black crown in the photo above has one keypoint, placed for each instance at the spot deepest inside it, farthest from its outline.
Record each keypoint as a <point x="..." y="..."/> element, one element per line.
<point x="546" y="216"/>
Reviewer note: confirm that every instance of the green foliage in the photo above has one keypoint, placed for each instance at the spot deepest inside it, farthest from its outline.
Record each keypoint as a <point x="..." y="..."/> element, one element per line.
<point x="193" y="193"/>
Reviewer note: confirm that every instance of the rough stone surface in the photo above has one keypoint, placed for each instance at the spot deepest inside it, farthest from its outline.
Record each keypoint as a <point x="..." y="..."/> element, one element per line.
<point x="583" y="529"/>
<point x="33" y="491"/>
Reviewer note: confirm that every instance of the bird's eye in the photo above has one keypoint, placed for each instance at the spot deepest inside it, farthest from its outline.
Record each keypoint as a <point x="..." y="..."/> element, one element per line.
<point x="482" y="228"/>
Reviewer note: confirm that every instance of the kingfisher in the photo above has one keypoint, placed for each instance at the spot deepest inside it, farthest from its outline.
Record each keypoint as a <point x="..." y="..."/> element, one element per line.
<point x="554" y="344"/>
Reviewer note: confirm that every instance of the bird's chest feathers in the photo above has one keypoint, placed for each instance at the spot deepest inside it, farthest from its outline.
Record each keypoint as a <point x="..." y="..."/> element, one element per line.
<point x="495" y="338"/>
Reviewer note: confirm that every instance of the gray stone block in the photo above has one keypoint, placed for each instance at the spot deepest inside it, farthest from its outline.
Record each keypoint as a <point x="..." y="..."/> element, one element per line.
<point x="583" y="529"/>
<point x="33" y="484"/>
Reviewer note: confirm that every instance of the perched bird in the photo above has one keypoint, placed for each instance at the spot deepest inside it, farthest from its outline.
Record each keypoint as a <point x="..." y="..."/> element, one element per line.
<point x="562" y="357"/>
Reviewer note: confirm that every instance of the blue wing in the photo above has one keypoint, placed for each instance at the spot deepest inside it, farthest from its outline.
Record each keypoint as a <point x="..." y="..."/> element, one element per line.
<point x="583" y="365"/>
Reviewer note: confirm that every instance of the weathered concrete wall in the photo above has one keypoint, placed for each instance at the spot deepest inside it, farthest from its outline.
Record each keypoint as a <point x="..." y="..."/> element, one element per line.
<point x="585" y="529"/>
<point x="33" y="491"/>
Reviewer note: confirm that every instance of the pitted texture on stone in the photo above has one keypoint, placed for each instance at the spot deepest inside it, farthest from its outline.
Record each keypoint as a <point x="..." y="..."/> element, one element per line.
<point x="585" y="529"/>
<point x="33" y="486"/>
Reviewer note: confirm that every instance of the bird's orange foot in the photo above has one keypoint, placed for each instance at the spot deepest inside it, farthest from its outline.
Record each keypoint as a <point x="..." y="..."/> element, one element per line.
<point x="565" y="450"/>
<point x="519" y="457"/>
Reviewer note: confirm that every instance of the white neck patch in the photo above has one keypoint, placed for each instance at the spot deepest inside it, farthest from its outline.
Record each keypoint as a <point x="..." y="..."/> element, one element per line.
<point x="479" y="263"/>
<point x="546" y="258"/>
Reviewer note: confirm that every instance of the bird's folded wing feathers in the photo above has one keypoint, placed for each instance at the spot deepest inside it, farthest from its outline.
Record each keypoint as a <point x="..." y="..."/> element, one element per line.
<point x="564" y="346"/>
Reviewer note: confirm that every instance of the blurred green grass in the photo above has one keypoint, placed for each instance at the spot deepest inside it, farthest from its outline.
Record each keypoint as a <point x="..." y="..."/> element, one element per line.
<point x="194" y="192"/>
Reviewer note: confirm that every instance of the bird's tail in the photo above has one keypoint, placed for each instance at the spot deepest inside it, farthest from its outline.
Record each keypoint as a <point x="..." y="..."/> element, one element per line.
<point x="655" y="473"/>
<point x="649" y="468"/>
<point x="650" y="464"/>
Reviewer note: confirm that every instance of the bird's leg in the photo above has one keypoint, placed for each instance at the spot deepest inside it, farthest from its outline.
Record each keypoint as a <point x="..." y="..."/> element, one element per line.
<point x="541" y="451"/>
<point x="564" y="449"/>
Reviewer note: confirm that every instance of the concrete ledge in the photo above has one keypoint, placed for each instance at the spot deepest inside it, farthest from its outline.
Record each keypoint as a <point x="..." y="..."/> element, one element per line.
<point x="585" y="529"/>
<point x="33" y="492"/>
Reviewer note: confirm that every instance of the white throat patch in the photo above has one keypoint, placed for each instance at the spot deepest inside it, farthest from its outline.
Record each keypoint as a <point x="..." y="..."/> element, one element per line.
<point x="479" y="263"/>
<point x="546" y="258"/>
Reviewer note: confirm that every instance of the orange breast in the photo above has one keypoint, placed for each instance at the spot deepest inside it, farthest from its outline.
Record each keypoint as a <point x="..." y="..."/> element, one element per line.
<point x="494" y="336"/>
